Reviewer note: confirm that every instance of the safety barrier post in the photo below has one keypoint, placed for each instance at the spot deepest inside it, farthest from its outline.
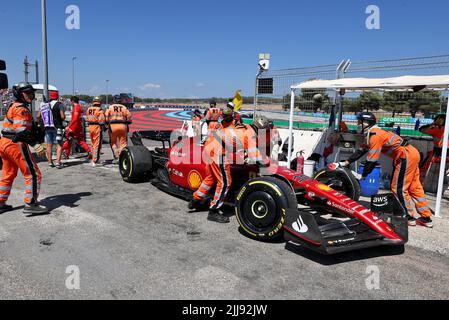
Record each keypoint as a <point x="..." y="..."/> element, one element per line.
<point x="442" y="166"/>
<point x="290" y="129"/>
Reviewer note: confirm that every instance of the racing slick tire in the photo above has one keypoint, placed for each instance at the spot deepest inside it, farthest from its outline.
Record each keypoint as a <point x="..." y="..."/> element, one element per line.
<point x="261" y="207"/>
<point x="135" y="164"/>
<point x="341" y="180"/>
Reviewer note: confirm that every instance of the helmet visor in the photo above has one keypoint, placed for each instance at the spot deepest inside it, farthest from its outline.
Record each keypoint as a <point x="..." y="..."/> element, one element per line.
<point x="30" y="93"/>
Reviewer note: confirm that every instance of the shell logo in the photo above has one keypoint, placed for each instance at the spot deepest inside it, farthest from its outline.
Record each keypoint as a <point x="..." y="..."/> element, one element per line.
<point x="195" y="179"/>
<point x="324" y="187"/>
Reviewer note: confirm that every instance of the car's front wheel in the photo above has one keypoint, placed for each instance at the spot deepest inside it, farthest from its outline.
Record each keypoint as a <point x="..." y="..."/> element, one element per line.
<point x="341" y="180"/>
<point x="261" y="207"/>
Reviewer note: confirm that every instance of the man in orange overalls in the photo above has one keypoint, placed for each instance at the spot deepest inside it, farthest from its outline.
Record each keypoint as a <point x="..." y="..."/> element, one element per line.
<point x="268" y="137"/>
<point x="213" y="115"/>
<point x="74" y="130"/>
<point x="96" y="122"/>
<point x="19" y="131"/>
<point x="118" y="118"/>
<point x="405" y="183"/>
<point x="220" y="151"/>
<point x="436" y="130"/>
<point x="237" y="116"/>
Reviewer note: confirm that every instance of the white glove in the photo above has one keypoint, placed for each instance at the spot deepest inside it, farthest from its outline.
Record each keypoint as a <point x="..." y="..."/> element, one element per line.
<point x="343" y="164"/>
<point x="358" y="176"/>
<point x="40" y="150"/>
<point x="275" y="152"/>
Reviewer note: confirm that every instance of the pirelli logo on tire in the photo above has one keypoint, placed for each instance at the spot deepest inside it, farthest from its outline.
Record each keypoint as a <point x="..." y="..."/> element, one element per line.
<point x="262" y="206"/>
<point x="241" y="193"/>
<point x="274" y="187"/>
<point x="280" y="226"/>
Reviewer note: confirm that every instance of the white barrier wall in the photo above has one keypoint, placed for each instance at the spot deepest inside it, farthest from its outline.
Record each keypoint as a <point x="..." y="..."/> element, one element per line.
<point x="310" y="142"/>
<point x="302" y="140"/>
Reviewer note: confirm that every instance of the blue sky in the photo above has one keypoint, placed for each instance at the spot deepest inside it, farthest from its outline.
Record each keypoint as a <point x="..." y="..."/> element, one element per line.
<point x="206" y="48"/>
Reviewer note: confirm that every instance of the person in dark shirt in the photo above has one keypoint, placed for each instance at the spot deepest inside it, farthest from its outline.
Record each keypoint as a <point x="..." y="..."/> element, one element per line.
<point x="51" y="116"/>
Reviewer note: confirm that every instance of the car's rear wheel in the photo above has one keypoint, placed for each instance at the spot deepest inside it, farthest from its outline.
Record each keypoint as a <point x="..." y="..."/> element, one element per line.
<point x="135" y="163"/>
<point x="341" y="180"/>
<point x="261" y="207"/>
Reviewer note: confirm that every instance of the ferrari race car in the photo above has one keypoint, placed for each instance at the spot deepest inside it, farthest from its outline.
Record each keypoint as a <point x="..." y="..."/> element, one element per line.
<point x="304" y="211"/>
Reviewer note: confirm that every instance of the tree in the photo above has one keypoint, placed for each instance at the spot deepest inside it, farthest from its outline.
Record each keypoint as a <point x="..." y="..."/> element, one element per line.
<point x="312" y="100"/>
<point x="425" y="101"/>
<point x="413" y="102"/>
<point x="110" y="98"/>
<point x="350" y="105"/>
<point x="248" y="100"/>
<point x="392" y="101"/>
<point x="85" y="98"/>
<point x="369" y="101"/>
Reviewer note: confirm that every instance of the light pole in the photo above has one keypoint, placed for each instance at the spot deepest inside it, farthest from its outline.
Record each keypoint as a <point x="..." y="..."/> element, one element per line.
<point x="27" y="64"/>
<point x="44" y="46"/>
<point x="107" y="92"/>
<point x="73" y="74"/>
<point x="264" y="65"/>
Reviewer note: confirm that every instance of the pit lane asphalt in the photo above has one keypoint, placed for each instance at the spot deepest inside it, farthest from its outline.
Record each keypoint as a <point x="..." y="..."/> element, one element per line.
<point x="132" y="241"/>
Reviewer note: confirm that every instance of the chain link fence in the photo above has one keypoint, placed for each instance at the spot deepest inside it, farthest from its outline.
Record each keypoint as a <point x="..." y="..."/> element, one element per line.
<point x="401" y="111"/>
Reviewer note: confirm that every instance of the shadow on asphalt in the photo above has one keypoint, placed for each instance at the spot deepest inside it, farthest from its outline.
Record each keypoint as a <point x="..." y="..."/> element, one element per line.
<point x="39" y="159"/>
<point x="74" y="163"/>
<point x="108" y="162"/>
<point x="64" y="200"/>
<point x="37" y="215"/>
<point x="202" y="209"/>
<point x="26" y="215"/>
<point x="12" y="210"/>
<point x="277" y="240"/>
<point x="345" y="257"/>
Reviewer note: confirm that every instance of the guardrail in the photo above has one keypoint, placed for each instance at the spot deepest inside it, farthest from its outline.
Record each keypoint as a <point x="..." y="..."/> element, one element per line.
<point x="166" y="107"/>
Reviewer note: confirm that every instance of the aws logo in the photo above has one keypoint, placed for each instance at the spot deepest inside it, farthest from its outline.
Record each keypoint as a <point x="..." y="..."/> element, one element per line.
<point x="380" y="201"/>
<point x="194" y="179"/>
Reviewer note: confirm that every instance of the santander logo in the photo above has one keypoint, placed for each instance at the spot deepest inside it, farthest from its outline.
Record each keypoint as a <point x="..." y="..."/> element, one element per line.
<point x="299" y="226"/>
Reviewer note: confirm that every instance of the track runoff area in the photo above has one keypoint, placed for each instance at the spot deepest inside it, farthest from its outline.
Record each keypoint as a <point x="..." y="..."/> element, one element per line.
<point x="106" y="239"/>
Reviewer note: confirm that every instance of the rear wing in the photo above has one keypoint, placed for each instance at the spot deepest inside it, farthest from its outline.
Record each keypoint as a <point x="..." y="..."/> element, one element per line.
<point x="154" y="135"/>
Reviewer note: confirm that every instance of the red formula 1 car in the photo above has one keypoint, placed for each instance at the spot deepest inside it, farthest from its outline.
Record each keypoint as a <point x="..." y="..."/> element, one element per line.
<point x="303" y="210"/>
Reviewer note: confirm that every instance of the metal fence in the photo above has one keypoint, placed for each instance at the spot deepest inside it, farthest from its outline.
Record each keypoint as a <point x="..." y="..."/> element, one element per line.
<point x="406" y="110"/>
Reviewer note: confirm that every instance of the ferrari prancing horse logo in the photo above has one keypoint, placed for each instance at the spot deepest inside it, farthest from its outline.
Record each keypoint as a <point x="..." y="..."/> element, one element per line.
<point x="195" y="179"/>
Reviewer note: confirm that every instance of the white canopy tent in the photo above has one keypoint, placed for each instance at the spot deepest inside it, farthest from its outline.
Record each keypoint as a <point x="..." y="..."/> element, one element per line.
<point x="405" y="83"/>
<point x="384" y="84"/>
